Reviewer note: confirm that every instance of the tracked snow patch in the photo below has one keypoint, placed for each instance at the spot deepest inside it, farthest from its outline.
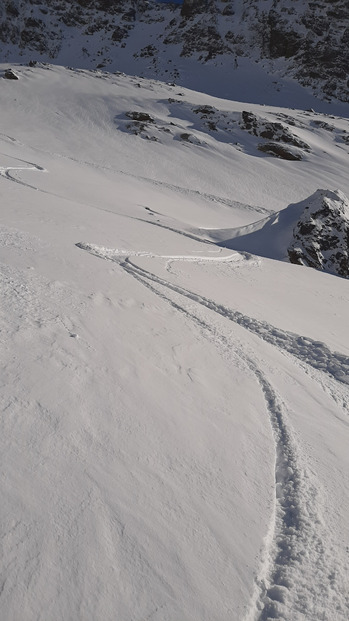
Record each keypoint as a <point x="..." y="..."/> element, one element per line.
<point x="295" y="541"/>
<point x="314" y="353"/>
<point x="113" y="253"/>
<point x="160" y="424"/>
<point x="8" y="171"/>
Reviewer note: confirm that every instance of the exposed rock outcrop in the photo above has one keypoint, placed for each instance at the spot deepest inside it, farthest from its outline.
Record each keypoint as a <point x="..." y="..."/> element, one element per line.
<point x="9" y="74"/>
<point x="321" y="236"/>
<point x="280" y="141"/>
<point x="313" y="233"/>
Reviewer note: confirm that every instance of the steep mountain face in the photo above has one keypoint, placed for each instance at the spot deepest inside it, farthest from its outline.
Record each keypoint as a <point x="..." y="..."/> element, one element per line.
<point x="312" y="37"/>
<point x="308" y="40"/>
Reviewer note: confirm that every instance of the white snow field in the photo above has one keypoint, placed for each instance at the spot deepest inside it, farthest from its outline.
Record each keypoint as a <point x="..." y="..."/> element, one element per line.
<point x="174" y="413"/>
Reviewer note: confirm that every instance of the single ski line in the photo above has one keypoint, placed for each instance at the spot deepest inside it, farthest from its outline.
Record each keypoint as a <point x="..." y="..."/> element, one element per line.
<point x="293" y="531"/>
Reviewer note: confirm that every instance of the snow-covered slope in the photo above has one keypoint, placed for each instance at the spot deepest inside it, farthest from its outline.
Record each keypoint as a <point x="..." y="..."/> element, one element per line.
<point x="174" y="424"/>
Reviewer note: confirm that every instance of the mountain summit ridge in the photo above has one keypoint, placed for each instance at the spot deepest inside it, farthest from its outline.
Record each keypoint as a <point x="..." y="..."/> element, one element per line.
<point x="308" y="41"/>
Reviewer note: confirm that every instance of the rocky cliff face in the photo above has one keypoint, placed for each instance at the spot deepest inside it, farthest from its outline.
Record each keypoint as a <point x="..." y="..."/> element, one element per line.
<point x="321" y="236"/>
<point x="307" y="40"/>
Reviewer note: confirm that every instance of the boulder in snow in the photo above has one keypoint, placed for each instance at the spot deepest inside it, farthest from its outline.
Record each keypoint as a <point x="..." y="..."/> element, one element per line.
<point x="10" y="75"/>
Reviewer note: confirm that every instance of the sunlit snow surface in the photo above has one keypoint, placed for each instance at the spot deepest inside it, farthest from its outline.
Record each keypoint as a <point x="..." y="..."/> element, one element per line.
<point x="174" y="427"/>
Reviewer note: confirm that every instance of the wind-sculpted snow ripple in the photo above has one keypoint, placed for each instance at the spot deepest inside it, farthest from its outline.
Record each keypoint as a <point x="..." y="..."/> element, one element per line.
<point x="314" y="353"/>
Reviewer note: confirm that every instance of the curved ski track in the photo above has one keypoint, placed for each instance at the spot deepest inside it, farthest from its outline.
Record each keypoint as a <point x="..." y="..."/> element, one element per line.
<point x="5" y="171"/>
<point x="314" y="353"/>
<point x="211" y="198"/>
<point x="297" y="546"/>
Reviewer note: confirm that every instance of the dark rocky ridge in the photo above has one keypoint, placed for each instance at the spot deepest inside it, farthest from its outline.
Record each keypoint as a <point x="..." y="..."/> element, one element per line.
<point x="321" y="236"/>
<point x="310" y="39"/>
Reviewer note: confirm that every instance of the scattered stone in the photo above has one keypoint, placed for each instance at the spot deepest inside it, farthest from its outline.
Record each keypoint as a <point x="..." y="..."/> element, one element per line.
<point x="204" y="111"/>
<point x="10" y="75"/>
<point x="119" y="34"/>
<point x="280" y="151"/>
<point x="148" y="51"/>
<point x="129" y="16"/>
<point x="186" y="137"/>
<point x="142" y="117"/>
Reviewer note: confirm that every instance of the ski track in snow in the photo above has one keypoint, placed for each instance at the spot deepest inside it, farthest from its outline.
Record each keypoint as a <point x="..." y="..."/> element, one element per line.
<point x="6" y="171"/>
<point x="118" y="255"/>
<point x="212" y="198"/>
<point x="177" y="231"/>
<point x="209" y="197"/>
<point x="301" y="575"/>
<point x="11" y="140"/>
<point x="314" y="353"/>
<point x="297" y="544"/>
